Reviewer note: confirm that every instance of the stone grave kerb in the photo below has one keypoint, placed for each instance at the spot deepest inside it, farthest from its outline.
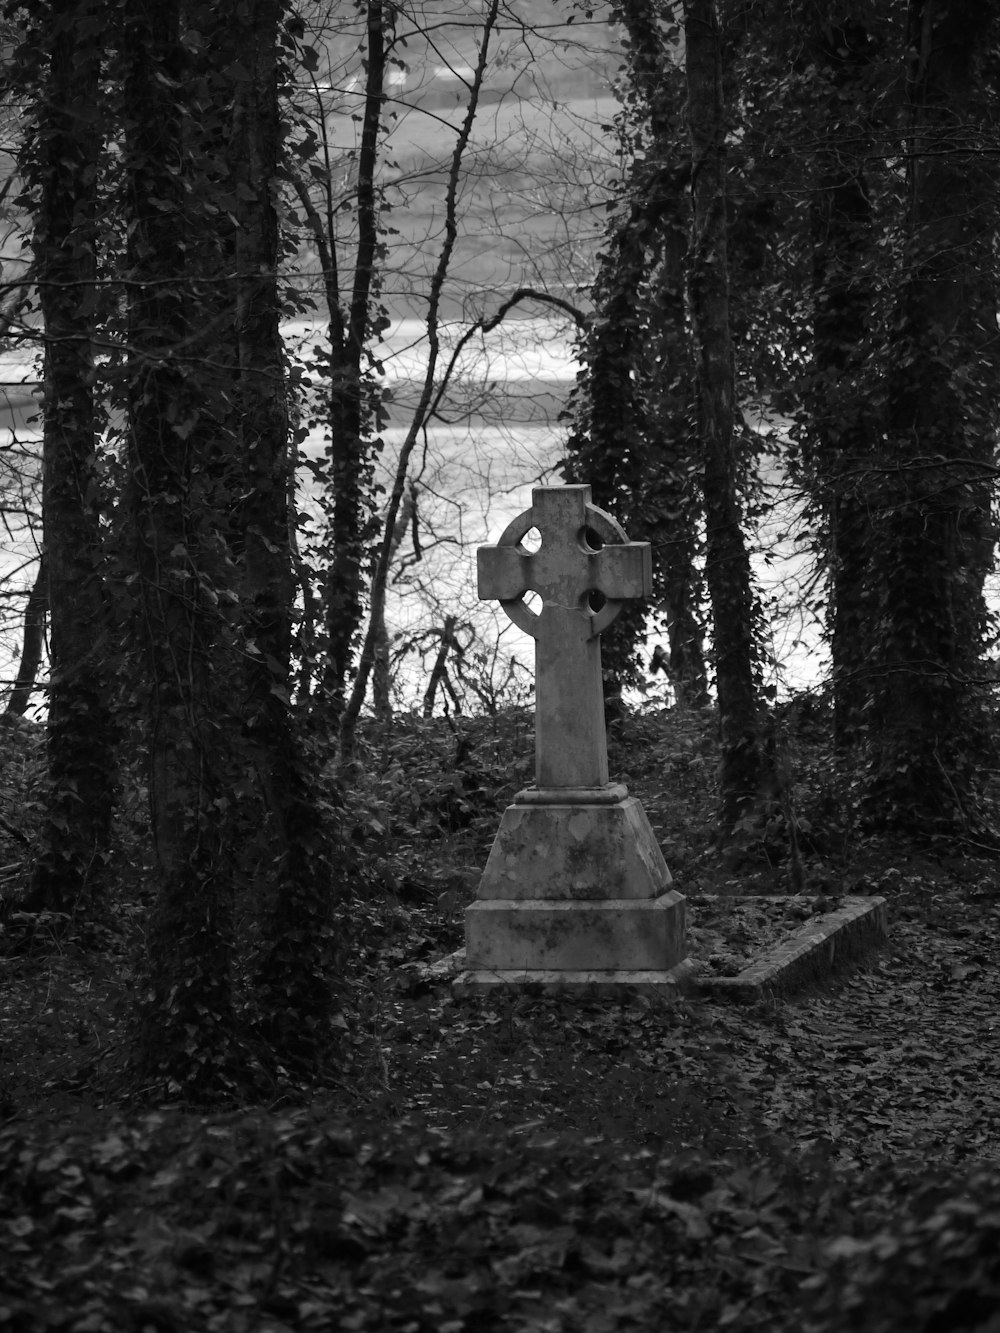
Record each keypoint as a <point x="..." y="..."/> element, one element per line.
<point x="575" y="893"/>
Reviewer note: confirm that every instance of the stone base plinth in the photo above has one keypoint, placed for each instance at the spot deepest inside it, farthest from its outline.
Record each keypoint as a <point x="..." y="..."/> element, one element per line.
<point x="556" y="848"/>
<point x="596" y="935"/>
<point x="620" y="983"/>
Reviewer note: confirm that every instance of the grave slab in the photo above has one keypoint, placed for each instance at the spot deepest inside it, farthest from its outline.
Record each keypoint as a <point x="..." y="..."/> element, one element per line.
<point x="817" y="950"/>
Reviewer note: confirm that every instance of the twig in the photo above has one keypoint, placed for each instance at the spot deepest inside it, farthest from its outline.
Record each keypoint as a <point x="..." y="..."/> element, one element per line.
<point x="15" y="833"/>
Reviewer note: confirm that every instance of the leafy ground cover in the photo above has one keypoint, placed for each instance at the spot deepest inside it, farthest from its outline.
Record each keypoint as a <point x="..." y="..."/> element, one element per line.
<point x="825" y="1163"/>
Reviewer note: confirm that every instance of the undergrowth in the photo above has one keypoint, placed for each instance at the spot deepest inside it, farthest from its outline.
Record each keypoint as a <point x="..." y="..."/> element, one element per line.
<point x="823" y="1164"/>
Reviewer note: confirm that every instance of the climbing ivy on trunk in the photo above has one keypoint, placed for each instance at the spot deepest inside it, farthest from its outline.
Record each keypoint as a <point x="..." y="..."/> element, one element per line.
<point x="187" y="1032"/>
<point x="60" y="161"/>
<point x="296" y="966"/>
<point x="935" y="534"/>
<point x="744" y="768"/>
<point x="633" y="436"/>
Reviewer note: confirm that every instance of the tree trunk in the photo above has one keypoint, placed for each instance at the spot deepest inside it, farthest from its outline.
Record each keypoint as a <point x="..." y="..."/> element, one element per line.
<point x="263" y="414"/>
<point x="935" y="537"/>
<point x="673" y="487"/>
<point x="727" y="563"/>
<point x="32" y="645"/>
<point x="381" y="682"/>
<point x="80" y="732"/>
<point x="439" y="672"/>
<point x="186" y="1040"/>
<point x="350" y="462"/>
<point x="634" y="439"/>
<point x="843" y="412"/>
<point x="298" y="881"/>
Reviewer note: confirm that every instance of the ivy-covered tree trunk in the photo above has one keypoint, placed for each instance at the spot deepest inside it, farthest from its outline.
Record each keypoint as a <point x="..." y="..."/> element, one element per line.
<point x="841" y="402"/>
<point x="634" y="437"/>
<point x="296" y="969"/>
<point x="727" y="563"/>
<point x="350" y="462"/>
<point x="255" y="152"/>
<point x="935" y="534"/>
<point x="80" y="730"/>
<point x="675" y="491"/>
<point x="186" y="1040"/>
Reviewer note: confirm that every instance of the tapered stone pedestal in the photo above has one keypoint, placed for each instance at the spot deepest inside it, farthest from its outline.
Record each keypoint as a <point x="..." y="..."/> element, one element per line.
<point x="575" y="895"/>
<point x="562" y="843"/>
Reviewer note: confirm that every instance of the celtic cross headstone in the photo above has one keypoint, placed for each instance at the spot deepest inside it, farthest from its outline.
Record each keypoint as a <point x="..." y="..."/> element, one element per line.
<point x="583" y="570"/>
<point x="575" y="893"/>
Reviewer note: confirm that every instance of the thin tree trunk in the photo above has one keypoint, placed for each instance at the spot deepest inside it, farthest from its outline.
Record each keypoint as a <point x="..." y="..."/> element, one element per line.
<point x="349" y="451"/>
<point x="429" y="392"/>
<point x="80" y="732"/>
<point x="381" y="682"/>
<point x="673" y="487"/>
<point x="844" y="415"/>
<point x="32" y="645"/>
<point x="263" y="415"/>
<point x="727" y="563"/>
<point x="439" y="672"/>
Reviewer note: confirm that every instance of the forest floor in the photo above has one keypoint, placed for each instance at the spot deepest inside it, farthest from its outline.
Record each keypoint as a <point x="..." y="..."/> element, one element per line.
<point x="825" y="1162"/>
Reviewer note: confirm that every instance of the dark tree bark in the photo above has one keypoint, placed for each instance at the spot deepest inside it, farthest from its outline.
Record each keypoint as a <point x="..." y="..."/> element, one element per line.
<point x="438" y="679"/>
<point x="296" y="970"/>
<point x="634" y="436"/>
<point x="674" y="490"/>
<point x="844" y="415"/>
<point x="727" y="563"/>
<point x="186" y="1038"/>
<point x="80" y="731"/>
<point x="935" y="536"/>
<point x="32" y="645"/>
<point x="381" y="681"/>
<point x="263" y="409"/>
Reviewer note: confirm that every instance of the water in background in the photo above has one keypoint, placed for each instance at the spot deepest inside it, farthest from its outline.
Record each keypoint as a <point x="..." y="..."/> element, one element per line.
<point x="473" y="470"/>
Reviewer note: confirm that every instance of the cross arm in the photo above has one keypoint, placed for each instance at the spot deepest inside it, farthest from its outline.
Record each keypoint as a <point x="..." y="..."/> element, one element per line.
<point x="624" y="572"/>
<point x="503" y="572"/>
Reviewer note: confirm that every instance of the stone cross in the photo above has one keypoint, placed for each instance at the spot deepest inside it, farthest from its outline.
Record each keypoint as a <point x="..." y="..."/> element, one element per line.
<point x="583" y="570"/>
<point x="575" y="895"/>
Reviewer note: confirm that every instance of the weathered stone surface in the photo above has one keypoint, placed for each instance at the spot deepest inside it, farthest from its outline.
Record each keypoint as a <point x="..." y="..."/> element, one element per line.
<point x="575" y="885"/>
<point x="820" y="947"/>
<point x="584" y="557"/>
<point x="575" y="851"/>
<point x="608" y="935"/>
<point x="552" y="981"/>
